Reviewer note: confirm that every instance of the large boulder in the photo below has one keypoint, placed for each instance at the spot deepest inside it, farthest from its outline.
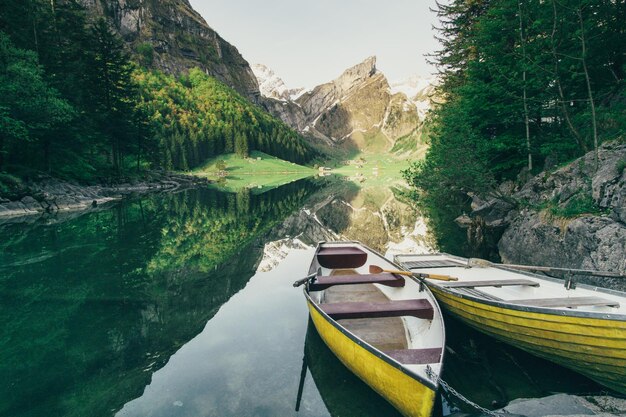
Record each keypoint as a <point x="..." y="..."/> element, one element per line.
<point x="573" y="217"/>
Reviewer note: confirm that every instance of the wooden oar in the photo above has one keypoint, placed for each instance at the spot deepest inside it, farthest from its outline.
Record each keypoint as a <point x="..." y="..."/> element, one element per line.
<point x="482" y="262"/>
<point x="375" y="269"/>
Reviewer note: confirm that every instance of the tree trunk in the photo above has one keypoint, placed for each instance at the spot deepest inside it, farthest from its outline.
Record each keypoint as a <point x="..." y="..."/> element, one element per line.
<point x="46" y="155"/>
<point x="526" y="120"/>
<point x="562" y="101"/>
<point x="1" y="152"/>
<point x="588" y="80"/>
<point x="35" y="37"/>
<point x="138" y="151"/>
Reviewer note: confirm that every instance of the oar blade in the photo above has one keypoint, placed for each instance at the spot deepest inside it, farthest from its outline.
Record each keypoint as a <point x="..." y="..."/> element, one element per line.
<point x="375" y="269"/>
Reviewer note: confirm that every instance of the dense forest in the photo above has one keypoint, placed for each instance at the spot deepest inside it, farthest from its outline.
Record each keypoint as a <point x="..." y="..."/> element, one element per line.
<point x="196" y="117"/>
<point x="74" y="103"/>
<point x="526" y="85"/>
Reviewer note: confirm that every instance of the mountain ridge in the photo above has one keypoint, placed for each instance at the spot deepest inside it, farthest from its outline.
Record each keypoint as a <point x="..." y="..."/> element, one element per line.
<point x="359" y="109"/>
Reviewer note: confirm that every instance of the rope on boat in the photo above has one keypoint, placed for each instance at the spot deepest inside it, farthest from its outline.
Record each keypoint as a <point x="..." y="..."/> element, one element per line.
<point x="431" y="374"/>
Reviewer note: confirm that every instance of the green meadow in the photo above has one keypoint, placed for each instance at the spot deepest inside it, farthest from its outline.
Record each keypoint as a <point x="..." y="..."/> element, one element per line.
<point x="259" y="171"/>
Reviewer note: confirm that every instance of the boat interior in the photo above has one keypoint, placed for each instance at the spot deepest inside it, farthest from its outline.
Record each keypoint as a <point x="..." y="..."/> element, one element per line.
<point x="394" y="314"/>
<point x="497" y="283"/>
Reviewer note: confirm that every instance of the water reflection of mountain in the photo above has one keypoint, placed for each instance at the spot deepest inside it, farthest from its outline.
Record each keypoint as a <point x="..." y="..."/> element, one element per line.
<point x="92" y="307"/>
<point x="343" y="210"/>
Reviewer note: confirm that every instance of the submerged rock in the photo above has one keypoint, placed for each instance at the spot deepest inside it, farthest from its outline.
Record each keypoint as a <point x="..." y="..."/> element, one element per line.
<point x="560" y="405"/>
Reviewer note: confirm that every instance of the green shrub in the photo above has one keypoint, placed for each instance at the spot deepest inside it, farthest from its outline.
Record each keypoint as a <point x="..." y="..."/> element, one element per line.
<point x="576" y="206"/>
<point x="11" y="187"/>
<point x="146" y="53"/>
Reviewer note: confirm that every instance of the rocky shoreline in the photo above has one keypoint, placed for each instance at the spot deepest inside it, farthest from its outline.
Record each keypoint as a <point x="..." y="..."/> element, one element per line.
<point x="50" y="195"/>
<point x="575" y="215"/>
<point x="559" y="405"/>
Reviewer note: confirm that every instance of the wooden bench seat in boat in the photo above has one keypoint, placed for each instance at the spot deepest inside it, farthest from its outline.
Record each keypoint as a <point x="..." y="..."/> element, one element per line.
<point x="324" y="282"/>
<point x="341" y="257"/>
<point x="490" y="283"/>
<point x="420" y="308"/>
<point x="570" y="302"/>
<point x="415" y="356"/>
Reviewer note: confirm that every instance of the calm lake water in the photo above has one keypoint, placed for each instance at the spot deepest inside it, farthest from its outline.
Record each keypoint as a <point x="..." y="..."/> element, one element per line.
<point x="182" y="305"/>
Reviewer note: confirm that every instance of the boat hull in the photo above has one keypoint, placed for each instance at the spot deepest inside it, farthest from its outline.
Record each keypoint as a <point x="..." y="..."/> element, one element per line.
<point x="410" y="395"/>
<point x="592" y="346"/>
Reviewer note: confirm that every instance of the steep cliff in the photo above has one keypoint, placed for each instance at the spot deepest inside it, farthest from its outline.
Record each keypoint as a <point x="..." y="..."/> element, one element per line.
<point x="358" y="109"/>
<point x="171" y="36"/>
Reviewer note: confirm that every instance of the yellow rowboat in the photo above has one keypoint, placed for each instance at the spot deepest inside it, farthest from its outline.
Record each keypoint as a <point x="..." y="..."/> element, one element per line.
<point x="577" y="326"/>
<point x="386" y="328"/>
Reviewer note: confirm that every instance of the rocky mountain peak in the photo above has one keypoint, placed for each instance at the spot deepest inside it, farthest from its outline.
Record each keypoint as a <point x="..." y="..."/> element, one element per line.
<point x="357" y="74"/>
<point x="272" y="86"/>
<point x="359" y="109"/>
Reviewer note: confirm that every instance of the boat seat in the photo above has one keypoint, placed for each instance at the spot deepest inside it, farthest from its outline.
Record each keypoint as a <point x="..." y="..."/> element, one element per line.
<point x="341" y="257"/>
<point x="415" y="356"/>
<point x="419" y="308"/>
<point x="390" y="280"/>
<point x="490" y="283"/>
<point x="570" y="302"/>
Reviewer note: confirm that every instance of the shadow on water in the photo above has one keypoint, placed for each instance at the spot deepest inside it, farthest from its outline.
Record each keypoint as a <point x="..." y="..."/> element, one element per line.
<point x="91" y="307"/>
<point x="475" y="241"/>
<point x="344" y="394"/>
<point x="491" y="373"/>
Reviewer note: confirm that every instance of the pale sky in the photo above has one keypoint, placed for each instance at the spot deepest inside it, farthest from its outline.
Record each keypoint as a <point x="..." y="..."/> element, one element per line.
<point x="309" y="42"/>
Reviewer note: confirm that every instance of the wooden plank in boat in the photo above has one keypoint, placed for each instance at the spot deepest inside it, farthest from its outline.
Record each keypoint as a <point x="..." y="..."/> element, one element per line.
<point x="324" y="282"/>
<point x="386" y="333"/>
<point x="490" y="283"/>
<point x="420" y="308"/>
<point x="341" y="257"/>
<point x="415" y="356"/>
<point x="357" y="292"/>
<point x="570" y="302"/>
<point x="383" y="333"/>
<point x="433" y="263"/>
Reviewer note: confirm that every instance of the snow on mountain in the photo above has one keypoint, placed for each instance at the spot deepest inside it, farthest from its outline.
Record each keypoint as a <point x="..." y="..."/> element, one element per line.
<point x="418" y="90"/>
<point x="272" y="86"/>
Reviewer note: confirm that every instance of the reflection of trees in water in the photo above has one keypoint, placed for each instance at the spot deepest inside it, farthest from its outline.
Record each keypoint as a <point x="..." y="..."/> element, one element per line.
<point x="441" y="211"/>
<point x="92" y="307"/>
<point x="205" y="227"/>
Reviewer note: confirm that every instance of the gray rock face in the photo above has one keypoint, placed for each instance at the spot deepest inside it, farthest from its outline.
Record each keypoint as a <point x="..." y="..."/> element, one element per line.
<point x="287" y="111"/>
<point x="180" y="37"/>
<point x="573" y="217"/>
<point x="597" y="243"/>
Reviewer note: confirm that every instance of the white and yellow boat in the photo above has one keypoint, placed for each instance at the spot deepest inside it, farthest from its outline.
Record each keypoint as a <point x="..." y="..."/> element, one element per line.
<point x="579" y="327"/>
<point x="385" y="327"/>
